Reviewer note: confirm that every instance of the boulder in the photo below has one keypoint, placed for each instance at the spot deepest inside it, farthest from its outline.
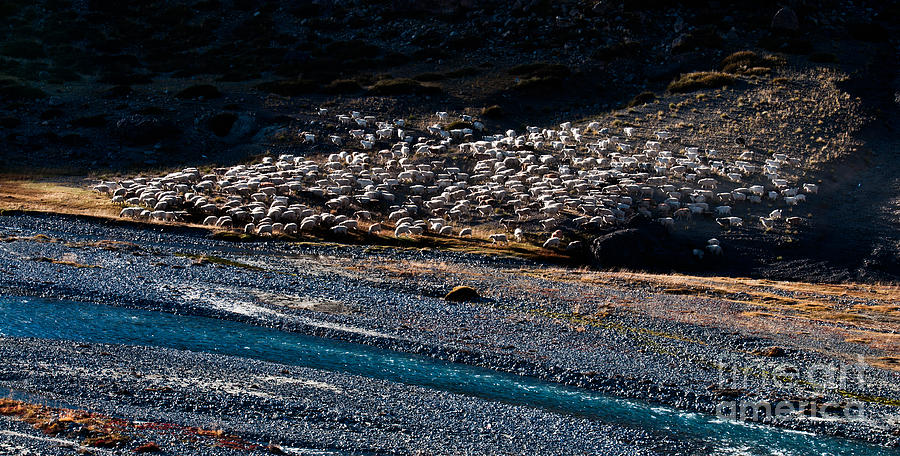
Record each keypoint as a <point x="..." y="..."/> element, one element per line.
<point x="785" y="19"/>
<point x="772" y="352"/>
<point x="462" y="294"/>
<point x="243" y="127"/>
<point x="144" y="130"/>
<point x="632" y="247"/>
<point x="644" y="244"/>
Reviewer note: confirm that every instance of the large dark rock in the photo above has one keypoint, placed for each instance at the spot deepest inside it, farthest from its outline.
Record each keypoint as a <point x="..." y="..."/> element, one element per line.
<point x="243" y="126"/>
<point x="220" y="124"/>
<point x="785" y="19"/>
<point x="143" y="130"/>
<point x="643" y="245"/>
<point x="462" y="294"/>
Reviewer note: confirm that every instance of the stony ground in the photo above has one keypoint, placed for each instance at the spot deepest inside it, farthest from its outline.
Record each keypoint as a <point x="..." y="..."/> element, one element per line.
<point x="188" y="403"/>
<point x="160" y="87"/>
<point x="113" y="101"/>
<point x="668" y="339"/>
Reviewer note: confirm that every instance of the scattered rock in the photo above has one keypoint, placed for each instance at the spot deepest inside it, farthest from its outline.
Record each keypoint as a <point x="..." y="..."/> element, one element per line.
<point x="701" y="38"/>
<point x="203" y="90"/>
<point x="772" y="352"/>
<point x="785" y="19"/>
<point x="727" y="392"/>
<point x="642" y="99"/>
<point x="462" y="294"/>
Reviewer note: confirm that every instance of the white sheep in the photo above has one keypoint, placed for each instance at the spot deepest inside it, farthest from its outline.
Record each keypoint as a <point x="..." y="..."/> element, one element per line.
<point x="519" y="234"/>
<point x="546" y="177"/>
<point x="401" y="230"/>
<point x="682" y="214"/>
<point x="730" y="221"/>
<point x="498" y="238"/>
<point x="708" y="183"/>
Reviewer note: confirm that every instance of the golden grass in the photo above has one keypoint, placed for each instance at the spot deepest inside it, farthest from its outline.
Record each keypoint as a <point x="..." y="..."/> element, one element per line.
<point x="854" y="313"/>
<point x="58" y="197"/>
<point x="885" y="362"/>
<point x="822" y="302"/>
<point x="74" y="197"/>
<point x="889" y="293"/>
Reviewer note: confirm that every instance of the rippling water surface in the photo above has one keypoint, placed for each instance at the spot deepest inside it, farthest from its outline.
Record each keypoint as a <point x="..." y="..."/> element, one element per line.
<point x="77" y="321"/>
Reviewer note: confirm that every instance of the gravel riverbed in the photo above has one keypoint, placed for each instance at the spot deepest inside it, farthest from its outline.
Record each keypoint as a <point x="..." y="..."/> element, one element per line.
<point x="691" y="352"/>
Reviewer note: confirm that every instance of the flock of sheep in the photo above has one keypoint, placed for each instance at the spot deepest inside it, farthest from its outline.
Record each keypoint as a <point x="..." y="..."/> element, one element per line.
<point x="389" y="176"/>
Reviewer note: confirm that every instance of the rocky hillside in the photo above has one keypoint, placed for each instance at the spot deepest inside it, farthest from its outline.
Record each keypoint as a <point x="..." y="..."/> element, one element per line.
<point x="108" y="87"/>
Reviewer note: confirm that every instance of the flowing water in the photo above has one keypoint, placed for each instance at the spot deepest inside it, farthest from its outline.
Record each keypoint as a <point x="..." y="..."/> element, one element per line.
<point x="77" y="321"/>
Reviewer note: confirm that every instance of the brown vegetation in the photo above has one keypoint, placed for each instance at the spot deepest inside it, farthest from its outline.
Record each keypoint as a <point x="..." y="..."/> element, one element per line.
<point x="403" y="86"/>
<point x="66" y="262"/>
<point x="749" y="62"/>
<point x="101" y="430"/>
<point x="691" y="82"/>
